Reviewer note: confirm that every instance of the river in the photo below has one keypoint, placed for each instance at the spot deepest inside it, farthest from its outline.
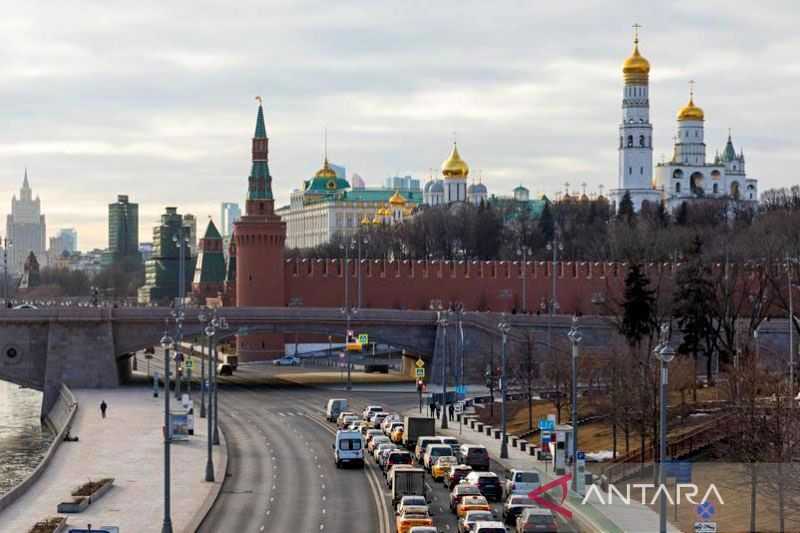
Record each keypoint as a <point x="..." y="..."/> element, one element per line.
<point x="23" y="440"/>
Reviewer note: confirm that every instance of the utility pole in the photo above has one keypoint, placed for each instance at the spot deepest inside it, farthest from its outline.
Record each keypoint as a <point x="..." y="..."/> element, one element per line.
<point x="553" y="246"/>
<point x="210" y="331"/>
<point x="665" y="353"/>
<point x="523" y="251"/>
<point x="347" y="310"/>
<point x="6" y="297"/>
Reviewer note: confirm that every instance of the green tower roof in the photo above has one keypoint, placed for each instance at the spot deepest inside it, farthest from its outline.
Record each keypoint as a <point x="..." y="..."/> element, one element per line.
<point x="211" y="231"/>
<point x="261" y="129"/>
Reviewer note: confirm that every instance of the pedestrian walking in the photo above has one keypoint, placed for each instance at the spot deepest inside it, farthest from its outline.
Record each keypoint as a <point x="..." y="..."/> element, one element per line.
<point x="451" y="410"/>
<point x="103" y="407"/>
<point x="430" y="409"/>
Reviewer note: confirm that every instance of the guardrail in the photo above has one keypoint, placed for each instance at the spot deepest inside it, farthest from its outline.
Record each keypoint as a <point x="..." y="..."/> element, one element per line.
<point x="680" y="446"/>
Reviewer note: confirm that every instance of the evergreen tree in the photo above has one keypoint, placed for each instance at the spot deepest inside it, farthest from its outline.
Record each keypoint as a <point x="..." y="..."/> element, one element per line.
<point x="682" y="214"/>
<point x="638" y="306"/>
<point x="547" y="223"/>
<point x="693" y="305"/>
<point x="625" y="211"/>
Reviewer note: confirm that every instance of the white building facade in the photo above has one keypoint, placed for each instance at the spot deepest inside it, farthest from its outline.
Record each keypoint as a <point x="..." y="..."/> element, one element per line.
<point x="25" y="229"/>
<point x="687" y="175"/>
<point x="635" y="169"/>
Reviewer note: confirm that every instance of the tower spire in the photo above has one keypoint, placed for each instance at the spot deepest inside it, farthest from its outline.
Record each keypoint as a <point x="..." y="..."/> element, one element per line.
<point x="636" y="27"/>
<point x="25" y="184"/>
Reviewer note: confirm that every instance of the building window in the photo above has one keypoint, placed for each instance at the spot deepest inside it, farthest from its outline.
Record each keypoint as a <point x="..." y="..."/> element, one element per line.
<point x="678" y="187"/>
<point x="641" y="171"/>
<point x="716" y="188"/>
<point x="630" y="141"/>
<point x="641" y="140"/>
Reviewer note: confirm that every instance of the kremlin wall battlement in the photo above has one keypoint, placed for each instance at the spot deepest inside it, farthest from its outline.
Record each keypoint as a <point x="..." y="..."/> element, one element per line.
<point x="581" y="287"/>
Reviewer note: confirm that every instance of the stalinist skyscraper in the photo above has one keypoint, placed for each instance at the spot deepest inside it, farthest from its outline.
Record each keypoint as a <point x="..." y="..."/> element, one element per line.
<point x="25" y="228"/>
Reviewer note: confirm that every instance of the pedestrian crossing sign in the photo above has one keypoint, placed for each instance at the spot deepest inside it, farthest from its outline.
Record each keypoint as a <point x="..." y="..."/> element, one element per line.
<point x="420" y="372"/>
<point x="363" y="338"/>
<point x="188" y="364"/>
<point x="420" y="363"/>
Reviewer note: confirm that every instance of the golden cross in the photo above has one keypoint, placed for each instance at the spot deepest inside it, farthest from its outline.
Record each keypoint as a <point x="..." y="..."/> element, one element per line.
<point x="636" y="32"/>
<point x="691" y="88"/>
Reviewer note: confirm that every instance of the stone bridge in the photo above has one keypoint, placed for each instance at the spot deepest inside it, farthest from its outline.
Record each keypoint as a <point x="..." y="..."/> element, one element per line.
<point x="90" y="347"/>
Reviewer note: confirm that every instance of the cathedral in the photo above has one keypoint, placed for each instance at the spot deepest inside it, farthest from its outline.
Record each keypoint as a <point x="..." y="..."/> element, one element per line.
<point x="688" y="175"/>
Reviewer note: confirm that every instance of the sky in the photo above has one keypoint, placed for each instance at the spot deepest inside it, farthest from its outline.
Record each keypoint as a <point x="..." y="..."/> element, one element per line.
<point x="157" y="99"/>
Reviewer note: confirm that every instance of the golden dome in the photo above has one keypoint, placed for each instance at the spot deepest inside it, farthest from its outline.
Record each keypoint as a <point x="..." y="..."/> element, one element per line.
<point x="454" y="166"/>
<point x="377" y="220"/>
<point x="691" y="111"/>
<point x="397" y="199"/>
<point x="326" y="171"/>
<point x="365" y="220"/>
<point x="636" y="69"/>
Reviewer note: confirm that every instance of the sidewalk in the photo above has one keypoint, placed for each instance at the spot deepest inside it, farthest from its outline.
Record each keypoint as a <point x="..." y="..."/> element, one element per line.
<point x="634" y="518"/>
<point x="127" y="446"/>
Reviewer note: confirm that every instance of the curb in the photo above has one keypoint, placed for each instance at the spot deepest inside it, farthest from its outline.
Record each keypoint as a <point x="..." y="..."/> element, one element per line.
<point x="220" y="475"/>
<point x="22" y="487"/>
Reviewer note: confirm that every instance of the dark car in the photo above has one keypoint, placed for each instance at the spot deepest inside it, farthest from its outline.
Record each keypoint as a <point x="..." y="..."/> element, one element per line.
<point x="514" y="506"/>
<point x="475" y="456"/>
<point x="224" y="369"/>
<point x="397" y="457"/>
<point x="488" y="483"/>
<point x="455" y="474"/>
<point x="536" y="520"/>
<point x="459" y="492"/>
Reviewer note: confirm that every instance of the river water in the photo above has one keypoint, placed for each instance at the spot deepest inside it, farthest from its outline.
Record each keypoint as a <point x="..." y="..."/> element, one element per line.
<point x="23" y="440"/>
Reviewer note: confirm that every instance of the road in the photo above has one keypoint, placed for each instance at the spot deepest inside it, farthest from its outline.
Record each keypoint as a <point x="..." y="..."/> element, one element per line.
<point x="281" y="474"/>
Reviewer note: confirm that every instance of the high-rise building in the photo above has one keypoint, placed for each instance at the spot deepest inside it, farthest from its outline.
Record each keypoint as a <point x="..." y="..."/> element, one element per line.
<point x="66" y="240"/>
<point x="228" y="214"/>
<point x="190" y="223"/>
<point x="123" y="229"/>
<point x="25" y="228"/>
<point x="402" y="183"/>
<point x="162" y="271"/>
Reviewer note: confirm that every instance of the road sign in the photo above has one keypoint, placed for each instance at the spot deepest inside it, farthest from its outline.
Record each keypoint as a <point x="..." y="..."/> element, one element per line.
<point x="581" y="456"/>
<point x="705" y="527"/>
<point x="363" y="338"/>
<point x="188" y="364"/>
<point x="680" y="470"/>
<point x="420" y="372"/>
<point x="459" y="408"/>
<point x="420" y="363"/>
<point x="547" y="425"/>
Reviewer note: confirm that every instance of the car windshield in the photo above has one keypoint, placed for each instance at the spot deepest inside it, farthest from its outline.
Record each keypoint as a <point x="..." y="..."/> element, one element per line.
<point x="477" y="451"/>
<point x="539" y="519"/>
<point x="480" y="516"/>
<point x="350" y="444"/>
<point x="520" y="500"/>
<point x="526" y="477"/>
<point x="414" y="500"/>
<point x="467" y="489"/>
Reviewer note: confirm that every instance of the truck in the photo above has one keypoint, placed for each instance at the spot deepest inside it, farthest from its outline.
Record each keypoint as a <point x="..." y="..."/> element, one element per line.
<point x="232" y="360"/>
<point x="417" y="426"/>
<point x="408" y="482"/>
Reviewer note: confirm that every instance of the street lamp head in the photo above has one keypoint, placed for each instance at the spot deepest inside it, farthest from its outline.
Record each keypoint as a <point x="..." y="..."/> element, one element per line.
<point x="666" y="354"/>
<point x="210" y="330"/>
<point x="166" y="341"/>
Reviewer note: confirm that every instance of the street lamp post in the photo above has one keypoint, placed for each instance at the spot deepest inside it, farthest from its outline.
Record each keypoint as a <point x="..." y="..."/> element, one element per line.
<point x="347" y="309"/>
<point x="210" y="330"/>
<point x="222" y="323"/>
<point x="6" y="245"/>
<point x="791" y="336"/>
<point x="523" y="252"/>
<point x="555" y="247"/>
<point x="460" y="318"/>
<point x="665" y="354"/>
<point x="203" y="319"/>
<point x="361" y="240"/>
<point x="166" y="527"/>
<point x="504" y="328"/>
<point x="442" y="321"/>
<point x="575" y="337"/>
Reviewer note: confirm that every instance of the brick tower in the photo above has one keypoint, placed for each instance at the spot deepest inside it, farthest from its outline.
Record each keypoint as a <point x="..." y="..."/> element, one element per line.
<point x="260" y="236"/>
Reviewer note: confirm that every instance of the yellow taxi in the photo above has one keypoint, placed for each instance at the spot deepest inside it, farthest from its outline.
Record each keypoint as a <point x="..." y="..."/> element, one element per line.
<point x="472" y="503"/>
<point x="412" y="516"/>
<point x="397" y="435"/>
<point x="441" y="466"/>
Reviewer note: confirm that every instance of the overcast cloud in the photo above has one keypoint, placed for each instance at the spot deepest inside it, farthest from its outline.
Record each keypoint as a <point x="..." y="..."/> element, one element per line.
<point x="156" y="100"/>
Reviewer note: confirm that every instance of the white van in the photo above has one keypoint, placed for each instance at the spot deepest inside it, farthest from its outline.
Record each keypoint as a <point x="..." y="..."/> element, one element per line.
<point x="348" y="448"/>
<point x="334" y="408"/>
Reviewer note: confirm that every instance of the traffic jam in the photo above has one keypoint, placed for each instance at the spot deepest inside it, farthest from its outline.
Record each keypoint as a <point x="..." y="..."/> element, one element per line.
<point x="435" y="482"/>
